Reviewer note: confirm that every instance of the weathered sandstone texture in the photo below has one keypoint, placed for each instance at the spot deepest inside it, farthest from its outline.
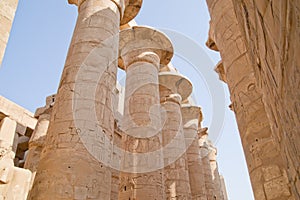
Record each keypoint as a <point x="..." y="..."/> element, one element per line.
<point x="258" y="42"/>
<point x="69" y="167"/>
<point x="7" y="13"/>
<point x="97" y="140"/>
<point x="16" y="126"/>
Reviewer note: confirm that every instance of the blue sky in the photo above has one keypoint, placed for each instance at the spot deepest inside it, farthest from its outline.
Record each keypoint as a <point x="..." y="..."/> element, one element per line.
<point x="38" y="46"/>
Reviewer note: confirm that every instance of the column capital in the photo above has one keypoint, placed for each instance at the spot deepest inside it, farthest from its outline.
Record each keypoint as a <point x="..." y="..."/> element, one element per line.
<point x="132" y="8"/>
<point x="76" y="2"/>
<point x="175" y="83"/>
<point x="140" y="39"/>
<point x="175" y="98"/>
<point x="44" y="112"/>
<point x="191" y="113"/>
<point x="128" y="8"/>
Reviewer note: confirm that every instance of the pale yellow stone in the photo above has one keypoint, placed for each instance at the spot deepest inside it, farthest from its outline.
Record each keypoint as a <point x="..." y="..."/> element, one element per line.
<point x="68" y="148"/>
<point x="17" y="113"/>
<point x="7" y="14"/>
<point x="251" y="37"/>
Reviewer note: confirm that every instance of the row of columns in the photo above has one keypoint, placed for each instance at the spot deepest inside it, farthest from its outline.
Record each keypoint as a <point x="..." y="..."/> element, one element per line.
<point x="67" y="169"/>
<point x="141" y="118"/>
<point x="73" y="162"/>
<point x="154" y="99"/>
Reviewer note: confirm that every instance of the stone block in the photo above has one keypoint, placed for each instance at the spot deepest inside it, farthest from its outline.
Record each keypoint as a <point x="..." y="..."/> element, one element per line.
<point x="270" y="172"/>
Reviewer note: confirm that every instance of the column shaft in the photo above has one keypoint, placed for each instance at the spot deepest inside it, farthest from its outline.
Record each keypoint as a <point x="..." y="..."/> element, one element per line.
<point x="215" y="173"/>
<point x="7" y="13"/>
<point x="176" y="176"/>
<point x="271" y="31"/>
<point x="67" y="170"/>
<point x="266" y="166"/>
<point x="140" y="124"/>
<point x="195" y="167"/>
<point x="36" y="144"/>
<point x="207" y="172"/>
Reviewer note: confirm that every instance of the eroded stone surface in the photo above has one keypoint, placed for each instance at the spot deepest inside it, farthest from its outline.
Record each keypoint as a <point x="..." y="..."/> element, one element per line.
<point x="17" y="113"/>
<point x="141" y="121"/>
<point x="192" y="117"/>
<point x="176" y="173"/>
<point x="65" y="164"/>
<point x="249" y="51"/>
<point x="14" y="181"/>
<point x="7" y="14"/>
<point x="74" y="161"/>
<point x="271" y="31"/>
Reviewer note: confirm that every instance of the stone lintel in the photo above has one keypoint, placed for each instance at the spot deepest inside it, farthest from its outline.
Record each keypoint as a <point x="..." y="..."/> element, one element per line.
<point x="176" y="83"/>
<point x="139" y="39"/>
<point x="17" y="113"/>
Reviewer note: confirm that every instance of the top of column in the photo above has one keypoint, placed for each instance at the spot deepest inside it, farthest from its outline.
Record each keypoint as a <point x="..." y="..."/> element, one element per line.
<point x="132" y="8"/>
<point x="129" y="8"/>
<point x="176" y="83"/>
<point x="139" y="39"/>
<point x="190" y="112"/>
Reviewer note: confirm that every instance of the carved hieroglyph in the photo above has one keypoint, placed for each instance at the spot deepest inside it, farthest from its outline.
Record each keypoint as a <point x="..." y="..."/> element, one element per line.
<point x="142" y="50"/>
<point x="262" y="150"/>
<point x="174" y="88"/>
<point x="271" y="30"/>
<point x="67" y="170"/>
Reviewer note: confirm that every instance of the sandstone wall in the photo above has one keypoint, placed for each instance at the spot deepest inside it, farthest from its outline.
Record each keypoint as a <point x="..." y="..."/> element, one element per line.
<point x="7" y="14"/>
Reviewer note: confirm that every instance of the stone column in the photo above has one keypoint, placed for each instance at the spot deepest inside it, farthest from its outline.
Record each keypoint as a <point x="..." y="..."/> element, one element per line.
<point x="174" y="88"/>
<point x="192" y="117"/>
<point x="215" y="172"/>
<point x="205" y="162"/>
<point x="7" y="13"/>
<point x="70" y="166"/>
<point x="176" y="175"/>
<point x="262" y="152"/>
<point x="271" y="30"/>
<point x="142" y="50"/>
<point x="223" y="188"/>
<point x="37" y="140"/>
<point x="36" y="143"/>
